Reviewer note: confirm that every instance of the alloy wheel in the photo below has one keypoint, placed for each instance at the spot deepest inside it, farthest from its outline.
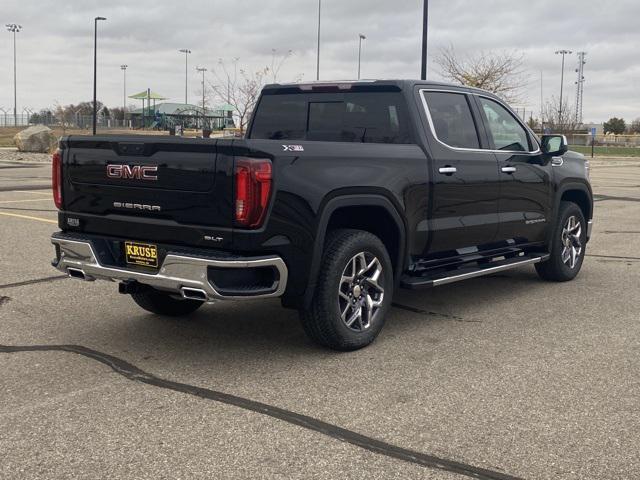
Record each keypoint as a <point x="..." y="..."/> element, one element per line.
<point x="571" y="243"/>
<point x="360" y="294"/>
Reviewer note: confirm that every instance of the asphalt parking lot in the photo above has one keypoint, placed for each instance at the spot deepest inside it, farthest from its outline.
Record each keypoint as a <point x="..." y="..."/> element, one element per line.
<point x="498" y="377"/>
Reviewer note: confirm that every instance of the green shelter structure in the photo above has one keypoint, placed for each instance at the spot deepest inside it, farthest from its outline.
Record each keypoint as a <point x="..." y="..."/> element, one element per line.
<point x="147" y="113"/>
<point x="166" y="115"/>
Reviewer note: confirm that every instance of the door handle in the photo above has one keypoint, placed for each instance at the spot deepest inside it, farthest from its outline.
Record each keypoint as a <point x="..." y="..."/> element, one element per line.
<point x="508" y="169"/>
<point x="448" y="170"/>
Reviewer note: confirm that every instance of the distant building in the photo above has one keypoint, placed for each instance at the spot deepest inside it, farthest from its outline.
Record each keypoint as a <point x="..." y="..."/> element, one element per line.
<point x="598" y="126"/>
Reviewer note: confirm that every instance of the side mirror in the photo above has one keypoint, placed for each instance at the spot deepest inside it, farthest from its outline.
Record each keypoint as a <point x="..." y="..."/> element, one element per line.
<point x="555" y="145"/>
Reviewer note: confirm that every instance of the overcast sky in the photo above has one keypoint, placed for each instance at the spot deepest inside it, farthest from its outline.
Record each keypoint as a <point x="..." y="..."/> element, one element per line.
<point x="55" y="47"/>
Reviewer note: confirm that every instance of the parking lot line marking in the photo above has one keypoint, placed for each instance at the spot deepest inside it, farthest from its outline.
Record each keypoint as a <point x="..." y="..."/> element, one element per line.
<point x="28" y="217"/>
<point x="33" y="192"/>
<point x="131" y="372"/>
<point x="611" y="256"/>
<point x="24" y="188"/>
<point x="25" y="200"/>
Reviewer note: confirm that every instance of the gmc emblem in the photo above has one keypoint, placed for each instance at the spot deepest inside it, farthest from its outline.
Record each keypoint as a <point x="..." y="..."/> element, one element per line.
<point x="136" y="172"/>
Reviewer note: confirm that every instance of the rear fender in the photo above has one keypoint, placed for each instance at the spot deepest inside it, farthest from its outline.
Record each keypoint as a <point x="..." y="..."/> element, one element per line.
<point x="361" y="200"/>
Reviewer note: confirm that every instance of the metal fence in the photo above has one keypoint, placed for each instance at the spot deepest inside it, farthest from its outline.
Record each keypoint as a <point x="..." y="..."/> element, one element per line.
<point x="604" y="140"/>
<point x="85" y="122"/>
<point x="8" y="120"/>
<point x="72" y="121"/>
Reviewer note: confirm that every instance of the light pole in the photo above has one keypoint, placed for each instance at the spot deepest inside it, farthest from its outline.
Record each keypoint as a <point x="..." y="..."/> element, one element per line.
<point x="95" y="70"/>
<point x="541" y="106"/>
<point x="563" y="53"/>
<point x="318" y="53"/>
<point x="186" y="52"/>
<point x="204" y="114"/>
<point x="425" y="25"/>
<point x="14" y="28"/>
<point x="124" y="92"/>
<point x="360" y="38"/>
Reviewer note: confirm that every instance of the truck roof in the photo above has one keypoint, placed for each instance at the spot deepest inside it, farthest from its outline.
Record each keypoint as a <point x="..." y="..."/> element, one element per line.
<point x="402" y="84"/>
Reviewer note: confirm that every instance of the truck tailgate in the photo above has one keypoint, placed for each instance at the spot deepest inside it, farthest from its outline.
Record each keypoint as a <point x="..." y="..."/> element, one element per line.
<point x="167" y="180"/>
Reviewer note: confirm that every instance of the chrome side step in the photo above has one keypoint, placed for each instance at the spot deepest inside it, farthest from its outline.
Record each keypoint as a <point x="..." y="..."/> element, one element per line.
<point x="466" y="272"/>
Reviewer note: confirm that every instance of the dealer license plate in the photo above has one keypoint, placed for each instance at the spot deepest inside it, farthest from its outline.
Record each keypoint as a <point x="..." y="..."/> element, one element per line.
<point x="141" y="254"/>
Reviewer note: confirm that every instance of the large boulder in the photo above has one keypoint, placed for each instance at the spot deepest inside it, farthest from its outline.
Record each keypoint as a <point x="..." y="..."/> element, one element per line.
<point x="39" y="139"/>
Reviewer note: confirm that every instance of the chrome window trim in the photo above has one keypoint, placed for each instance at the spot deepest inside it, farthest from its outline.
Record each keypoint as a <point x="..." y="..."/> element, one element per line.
<point x="425" y="106"/>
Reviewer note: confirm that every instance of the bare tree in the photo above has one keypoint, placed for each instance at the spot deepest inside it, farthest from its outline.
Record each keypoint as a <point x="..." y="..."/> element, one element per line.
<point x="277" y="61"/>
<point x="240" y="87"/>
<point x="500" y="73"/>
<point x="533" y="123"/>
<point x="63" y="115"/>
<point x="207" y="95"/>
<point x="634" y="127"/>
<point x="559" y="120"/>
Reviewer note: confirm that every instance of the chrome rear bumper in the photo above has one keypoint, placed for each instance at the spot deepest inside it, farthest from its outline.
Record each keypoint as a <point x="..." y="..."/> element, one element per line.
<point x="589" y="229"/>
<point x="179" y="274"/>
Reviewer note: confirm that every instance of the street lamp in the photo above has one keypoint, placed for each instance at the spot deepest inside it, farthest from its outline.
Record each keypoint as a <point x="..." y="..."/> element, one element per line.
<point x="563" y="53"/>
<point x="360" y="38"/>
<point x="425" y="25"/>
<point x="124" y="95"/>
<point x="204" y="115"/>
<point x="186" y="52"/>
<point x="14" y="28"/>
<point x="95" y="69"/>
<point x="318" y="53"/>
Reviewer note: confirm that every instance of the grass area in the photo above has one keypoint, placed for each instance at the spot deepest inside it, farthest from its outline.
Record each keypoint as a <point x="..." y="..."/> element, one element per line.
<point x="607" y="151"/>
<point x="6" y="136"/>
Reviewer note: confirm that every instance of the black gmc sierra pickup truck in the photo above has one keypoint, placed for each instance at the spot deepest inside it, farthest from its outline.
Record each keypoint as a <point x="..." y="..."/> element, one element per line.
<point x="340" y="193"/>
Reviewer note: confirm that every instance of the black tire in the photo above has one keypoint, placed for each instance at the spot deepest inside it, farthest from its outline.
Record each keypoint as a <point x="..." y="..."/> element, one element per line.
<point x="323" y="320"/>
<point x="162" y="303"/>
<point x="556" y="269"/>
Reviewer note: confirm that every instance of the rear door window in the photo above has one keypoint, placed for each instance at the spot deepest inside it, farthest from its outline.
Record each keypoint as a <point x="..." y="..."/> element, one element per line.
<point x="452" y="120"/>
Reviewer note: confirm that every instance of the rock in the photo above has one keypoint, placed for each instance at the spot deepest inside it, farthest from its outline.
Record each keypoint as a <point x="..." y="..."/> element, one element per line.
<point x="39" y="139"/>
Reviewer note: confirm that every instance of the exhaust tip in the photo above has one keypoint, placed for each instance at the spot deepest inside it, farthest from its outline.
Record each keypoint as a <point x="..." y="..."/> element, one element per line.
<point x="76" y="273"/>
<point x="193" y="294"/>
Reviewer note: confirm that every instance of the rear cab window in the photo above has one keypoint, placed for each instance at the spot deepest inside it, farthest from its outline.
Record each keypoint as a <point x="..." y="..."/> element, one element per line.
<point x="360" y="117"/>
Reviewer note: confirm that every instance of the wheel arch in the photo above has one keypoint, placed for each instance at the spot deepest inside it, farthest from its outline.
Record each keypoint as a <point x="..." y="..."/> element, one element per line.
<point x="580" y="194"/>
<point x="576" y="192"/>
<point x="374" y="213"/>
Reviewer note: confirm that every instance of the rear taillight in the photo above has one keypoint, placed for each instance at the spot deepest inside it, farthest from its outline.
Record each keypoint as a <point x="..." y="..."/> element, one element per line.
<point x="253" y="187"/>
<point x="56" y="178"/>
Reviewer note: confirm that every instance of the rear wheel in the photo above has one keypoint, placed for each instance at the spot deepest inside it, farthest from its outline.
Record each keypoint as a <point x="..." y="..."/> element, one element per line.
<point x="567" y="247"/>
<point x="353" y="293"/>
<point x="162" y="303"/>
